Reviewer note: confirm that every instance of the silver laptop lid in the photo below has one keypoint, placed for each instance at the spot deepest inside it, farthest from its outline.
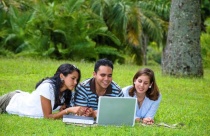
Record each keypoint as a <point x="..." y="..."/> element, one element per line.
<point x="116" y="111"/>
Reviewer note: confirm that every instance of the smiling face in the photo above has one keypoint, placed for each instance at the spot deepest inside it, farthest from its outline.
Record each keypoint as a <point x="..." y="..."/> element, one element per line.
<point x="103" y="77"/>
<point x="142" y="84"/>
<point x="69" y="81"/>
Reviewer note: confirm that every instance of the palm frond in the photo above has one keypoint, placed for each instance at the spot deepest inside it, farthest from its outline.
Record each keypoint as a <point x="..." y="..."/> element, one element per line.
<point x="73" y="5"/>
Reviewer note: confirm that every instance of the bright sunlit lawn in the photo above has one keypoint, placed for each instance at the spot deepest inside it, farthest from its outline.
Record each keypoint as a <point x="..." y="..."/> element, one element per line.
<point x="185" y="101"/>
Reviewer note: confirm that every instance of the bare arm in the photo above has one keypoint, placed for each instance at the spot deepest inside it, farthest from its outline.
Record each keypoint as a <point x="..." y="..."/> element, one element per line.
<point x="47" y="109"/>
<point x="85" y="111"/>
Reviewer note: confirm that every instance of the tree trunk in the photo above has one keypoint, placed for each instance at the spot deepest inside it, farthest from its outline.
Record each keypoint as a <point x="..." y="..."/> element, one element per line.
<point x="182" y="55"/>
<point x="144" y="48"/>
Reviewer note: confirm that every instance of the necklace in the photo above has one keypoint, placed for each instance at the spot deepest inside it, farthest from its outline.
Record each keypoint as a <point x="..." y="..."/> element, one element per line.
<point x="140" y="102"/>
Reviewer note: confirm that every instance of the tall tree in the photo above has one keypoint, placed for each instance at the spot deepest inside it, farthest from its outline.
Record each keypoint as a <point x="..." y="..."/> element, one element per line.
<point x="182" y="55"/>
<point x="133" y="22"/>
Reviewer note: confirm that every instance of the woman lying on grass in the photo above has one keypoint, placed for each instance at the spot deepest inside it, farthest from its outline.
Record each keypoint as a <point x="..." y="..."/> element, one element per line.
<point x="51" y="94"/>
<point x="146" y="91"/>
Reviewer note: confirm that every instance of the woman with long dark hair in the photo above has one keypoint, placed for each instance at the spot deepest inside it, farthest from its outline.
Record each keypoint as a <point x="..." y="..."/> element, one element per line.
<point x="50" y="94"/>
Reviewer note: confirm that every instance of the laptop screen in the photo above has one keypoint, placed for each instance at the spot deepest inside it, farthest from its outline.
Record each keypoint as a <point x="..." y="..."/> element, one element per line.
<point x="116" y="111"/>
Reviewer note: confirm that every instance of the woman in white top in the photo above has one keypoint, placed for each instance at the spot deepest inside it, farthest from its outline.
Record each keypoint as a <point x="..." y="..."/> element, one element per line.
<point x="146" y="91"/>
<point x="51" y="94"/>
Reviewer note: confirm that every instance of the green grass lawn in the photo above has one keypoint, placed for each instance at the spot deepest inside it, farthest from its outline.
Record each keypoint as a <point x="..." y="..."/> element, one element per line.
<point x="184" y="100"/>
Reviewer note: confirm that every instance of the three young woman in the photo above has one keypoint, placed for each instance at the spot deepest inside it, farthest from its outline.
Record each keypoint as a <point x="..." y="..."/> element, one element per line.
<point x="146" y="91"/>
<point x="53" y="93"/>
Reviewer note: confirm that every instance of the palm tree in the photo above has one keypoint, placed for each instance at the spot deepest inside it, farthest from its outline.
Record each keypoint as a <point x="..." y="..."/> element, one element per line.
<point x="157" y="12"/>
<point x="132" y="23"/>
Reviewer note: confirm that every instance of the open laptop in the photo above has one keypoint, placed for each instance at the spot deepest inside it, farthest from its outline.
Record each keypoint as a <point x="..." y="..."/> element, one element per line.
<point x="116" y="111"/>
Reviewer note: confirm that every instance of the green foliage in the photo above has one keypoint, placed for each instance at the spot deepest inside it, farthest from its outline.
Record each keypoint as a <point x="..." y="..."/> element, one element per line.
<point x="112" y="53"/>
<point x="6" y="53"/>
<point x="14" y="38"/>
<point x="205" y="10"/>
<point x="154" y="54"/>
<point x="3" y="24"/>
<point x="130" y="21"/>
<point x="60" y="30"/>
<point x="74" y="29"/>
<point x="184" y="100"/>
<point x="161" y="7"/>
<point x="205" y="42"/>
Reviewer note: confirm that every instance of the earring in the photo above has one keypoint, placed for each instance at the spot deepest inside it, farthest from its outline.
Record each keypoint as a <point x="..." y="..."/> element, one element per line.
<point x="62" y="80"/>
<point x="150" y="86"/>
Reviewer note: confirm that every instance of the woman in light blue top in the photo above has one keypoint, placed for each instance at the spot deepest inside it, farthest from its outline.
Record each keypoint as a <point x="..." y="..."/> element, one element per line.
<point x="146" y="91"/>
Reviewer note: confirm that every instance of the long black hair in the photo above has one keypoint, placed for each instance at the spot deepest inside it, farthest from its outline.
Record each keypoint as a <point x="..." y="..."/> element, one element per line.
<point x="57" y="83"/>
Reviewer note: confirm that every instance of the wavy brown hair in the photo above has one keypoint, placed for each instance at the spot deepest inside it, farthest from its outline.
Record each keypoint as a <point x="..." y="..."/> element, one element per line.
<point x="153" y="92"/>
